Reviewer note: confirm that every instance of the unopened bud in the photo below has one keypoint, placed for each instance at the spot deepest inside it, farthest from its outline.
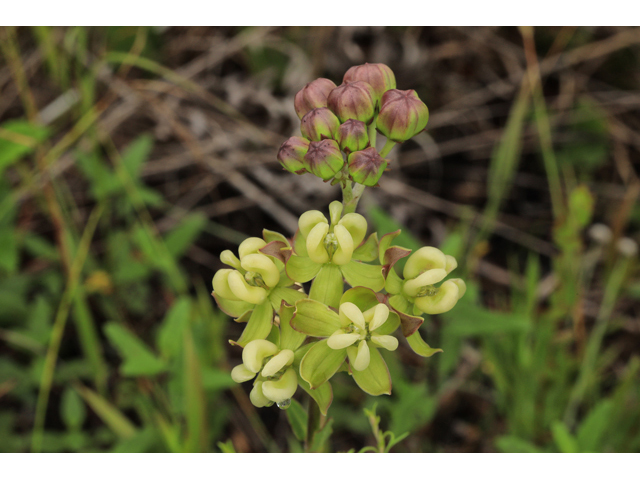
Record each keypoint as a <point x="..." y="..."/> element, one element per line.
<point x="352" y="136"/>
<point x="366" y="167"/>
<point x="313" y="95"/>
<point x="319" y="124"/>
<point x="354" y="100"/>
<point x="291" y="154"/>
<point x="402" y="115"/>
<point x="378" y="75"/>
<point x="324" y="159"/>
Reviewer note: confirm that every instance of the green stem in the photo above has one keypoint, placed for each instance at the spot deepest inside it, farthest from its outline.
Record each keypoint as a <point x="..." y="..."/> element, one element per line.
<point x="313" y="424"/>
<point x="373" y="133"/>
<point x="351" y="196"/>
<point x="387" y="148"/>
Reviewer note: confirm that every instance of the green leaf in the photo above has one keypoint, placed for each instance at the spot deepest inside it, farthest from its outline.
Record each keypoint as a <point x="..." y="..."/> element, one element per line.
<point x="563" y="438"/>
<point x="328" y="286"/>
<point x="375" y="379"/>
<point x="259" y="324"/>
<point x="136" y="154"/>
<point x="368" y="251"/>
<point x="18" y="139"/>
<point x="314" y="318"/>
<point x="290" y="339"/>
<point x="214" y="380"/>
<point x="466" y="320"/>
<point x="8" y="250"/>
<point x="289" y="295"/>
<point x="72" y="409"/>
<point x="170" y="333"/>
<point x="363" y="275"/>
<point x="419" y="346"/>
<point x="110" y="415"/>
<point x="302" y="269"/>
<point x="298" y="419"/>
<point x="321" y="437"/>
<point x="513" y="444"/>
<point x="185" y="234"/>
<point x="139" y="360"/>
<point x="233" y="308"/>
<point x="194" y="399"/>
<point x="594" y="426"/>
<point x="320" y="363"/>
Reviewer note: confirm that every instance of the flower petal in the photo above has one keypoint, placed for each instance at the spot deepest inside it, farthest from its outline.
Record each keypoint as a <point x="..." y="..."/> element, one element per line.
<point x="344" y="251"/>
<point x="356" y="224"/>
<point x="412" y="287"/>
<point x="425" y="258"/>
<point x="443" y="301"/>
<point x="250" y="245"/>
<point x="320" y="363"/>
<point x="362" y="357"/>
<point x="302" y="269"/>
<point x="385" y="341"/>
<point x="363" y="275"/>
<point x="241" y="373"/>
<point x="220" y="284"/>
<point x="315" y="243"/>
<point x="228" y="258"/>
<point x="352" y="313"/>
<point x="257" y="397"/>
<point x="328" y="286"/>
<point x="342" y="340"/>
<point x="374" y="380"/>
<point x="259" y="325"/>
<point x="244" y="291"/>
<point x="255" y="352"/>
<point x="282" y="389"/>
<point x="380" y="315"/>
<point x="308" y="220"/>
<point x="273" y="366"/>
<point x="260" y="263"/>
<point x="314" y="318"/>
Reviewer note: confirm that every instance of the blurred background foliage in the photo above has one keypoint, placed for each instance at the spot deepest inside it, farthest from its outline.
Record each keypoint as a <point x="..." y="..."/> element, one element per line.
<point x="131" y="157"/>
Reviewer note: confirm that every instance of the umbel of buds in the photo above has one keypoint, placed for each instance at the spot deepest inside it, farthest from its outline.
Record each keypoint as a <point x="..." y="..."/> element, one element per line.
<point x="355" y="100"/>
<point x="319" y="124"/>
<point x="324" y="159"/>
<point x="378" y="75"/>
<point x="402" y="115"/>
<point x="291" y="155"/>
<point x="366" y="167"/>
<point x="352" y="136"/>
<point x="313" y="95"/>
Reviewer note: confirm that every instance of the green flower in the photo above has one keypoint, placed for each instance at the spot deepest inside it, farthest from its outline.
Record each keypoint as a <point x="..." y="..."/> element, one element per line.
<point x="276" y="380"/>
<point x="361" y="327"/>
<point x="254" y="287"/>
<point x="327" y="252"/>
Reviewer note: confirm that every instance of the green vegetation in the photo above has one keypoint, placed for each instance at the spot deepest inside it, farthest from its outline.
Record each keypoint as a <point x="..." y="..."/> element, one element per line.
<point x="131" y="157"/>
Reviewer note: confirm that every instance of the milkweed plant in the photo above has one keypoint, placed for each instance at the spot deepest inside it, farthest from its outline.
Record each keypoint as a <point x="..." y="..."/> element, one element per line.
<point x="357" y="303"/>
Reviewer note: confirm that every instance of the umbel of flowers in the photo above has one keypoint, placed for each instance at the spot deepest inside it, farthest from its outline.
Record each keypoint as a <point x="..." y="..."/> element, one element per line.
<point x="357" y="303"/>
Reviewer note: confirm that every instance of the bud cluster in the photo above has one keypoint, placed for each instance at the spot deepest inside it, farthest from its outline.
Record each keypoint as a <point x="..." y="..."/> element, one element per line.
<point x="357" y="302"/>
<point x="339" y="125"/>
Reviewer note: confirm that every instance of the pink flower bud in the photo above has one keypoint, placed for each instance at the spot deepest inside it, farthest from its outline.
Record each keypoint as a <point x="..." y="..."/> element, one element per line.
<point x="378" y="75"/>
<point x="313" y="95"/>
<point x="355" y="100"/>
<point x="319" y="124"/>
<point x="324" y="159"/>
<point x="352" y="136"/>
<point x="366" y="167"/>
<point x="291" y="155"/>
<point x="402" y="115"/>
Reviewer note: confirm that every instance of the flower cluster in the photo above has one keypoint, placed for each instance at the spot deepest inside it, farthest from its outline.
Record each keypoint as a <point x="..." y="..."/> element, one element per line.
<point x="357" y="303"/>
<point x="347" y="118"/>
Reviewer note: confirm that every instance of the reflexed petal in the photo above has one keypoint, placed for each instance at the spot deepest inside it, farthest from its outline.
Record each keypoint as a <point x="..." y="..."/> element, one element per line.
<point x="362" y="357"/>
<point x="379" y="317"/>
<point x="282" y="389"/>
<point x="363" y="275"/>
<point x="310" y="219"/>
<point x="443" y="301"/>
<point x="356" y="225"/>
<point x="255" y="352"/>
<point x="315" y="243"/>
<point x="314" y="318"/>
<point x="374" y="380"/>
<point x="419" y="346"/>
<point x="273" y="366"/>
<point x="260" y="263"/>
<point x="426" y="258"/>
<point x="258" y="325"/>
<point x="385" y="341"/>
<point x="302" y="269"/>
<point x="342" y="340"/>
<point x="250" y="245"/>
<point x="220" y="284"/>
<point x="328" y="286"/>
<point x="257" y="397"/>
<point x="241" y="373"/>
<point x="413" y="286"/>
<point x="228" y="258"/>
<point x="352" y="313"/>
<point x="452" y="264"/>
<point x="345" y="246"/>
<point x="320" y="363"/>
<point x="244" y="291"/>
